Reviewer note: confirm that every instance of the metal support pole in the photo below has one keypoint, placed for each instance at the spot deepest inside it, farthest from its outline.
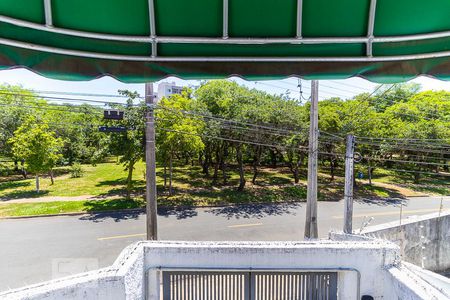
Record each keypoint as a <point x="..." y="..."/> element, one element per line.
<point x="348" y="190"/>
<point x="150" y="164"/>
<point x="311" y="231"/>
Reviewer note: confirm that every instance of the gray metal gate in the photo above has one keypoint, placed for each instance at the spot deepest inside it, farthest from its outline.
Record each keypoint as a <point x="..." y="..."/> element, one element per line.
<point x="216" y="285"/>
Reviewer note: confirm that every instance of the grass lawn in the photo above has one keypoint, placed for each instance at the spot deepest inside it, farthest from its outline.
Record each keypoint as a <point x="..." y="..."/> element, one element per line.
<point x="106" y="183"/>
<point x="58" y="207"/>
<point x="102" y="180"/>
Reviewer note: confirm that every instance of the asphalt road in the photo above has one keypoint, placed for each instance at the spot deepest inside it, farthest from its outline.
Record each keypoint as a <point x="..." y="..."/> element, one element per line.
<point x="33" y="250"/>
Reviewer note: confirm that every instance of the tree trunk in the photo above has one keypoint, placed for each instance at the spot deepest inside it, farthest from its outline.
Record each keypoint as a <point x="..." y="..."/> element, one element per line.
<point x="224" y="163"/>
<point x="241" y="168"/>
<point x="256" y="163"/>
<point x="224" y="172"/>
<point x="273" y="158"/>
<point x="332" y="167"/>
<point x="370" y="175"/>
<point x="165" y="175"/>
<point x="216" y="165"/>
<point x="295" y="168"/>
<point x="416" y="177"/>
<point x="51" y="177"/>
<point x="130" y="179"/>
<point x="24" y="171"/>
<point x="296" y="176"/>
<point x="37" y="183"/>
<point x="205" y="163"/>
<point x="170" y="175"/>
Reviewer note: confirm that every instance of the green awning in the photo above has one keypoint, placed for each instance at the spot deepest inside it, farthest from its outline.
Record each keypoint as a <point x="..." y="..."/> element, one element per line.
<point x="146" y="40"/>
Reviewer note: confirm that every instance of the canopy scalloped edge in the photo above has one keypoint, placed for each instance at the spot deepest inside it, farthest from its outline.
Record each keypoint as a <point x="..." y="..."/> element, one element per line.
<point x="151" y="40"/>
<point x="65" y="67"/>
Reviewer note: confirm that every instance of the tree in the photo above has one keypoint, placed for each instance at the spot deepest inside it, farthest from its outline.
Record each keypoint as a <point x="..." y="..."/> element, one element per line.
<point x="178" y="132"/>
<point x="13" y="113"/>
<point x="129" y="144"/>
<point x="83" y="142"/>
<point x="331" y="123"/>
<point x="37" y="146"/>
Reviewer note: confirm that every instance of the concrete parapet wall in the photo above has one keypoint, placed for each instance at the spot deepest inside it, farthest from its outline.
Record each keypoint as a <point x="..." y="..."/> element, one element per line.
<point x="122" y="280"/>
<point x="423" y="241"/>
<point x="364" y="267"/>
<point x="409" y="284"/>
<point x="366" y="259"/>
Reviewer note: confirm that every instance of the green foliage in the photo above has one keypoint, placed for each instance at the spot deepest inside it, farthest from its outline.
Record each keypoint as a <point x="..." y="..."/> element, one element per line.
<point x="189" y="130"/>
<point x="129" y="145"/>
<point x="58" y="207"/>
<point x="76" y="170"/>
<point x="34" y="143"/>
<point x="13" y="112"/>
<point x="180" y="132"/>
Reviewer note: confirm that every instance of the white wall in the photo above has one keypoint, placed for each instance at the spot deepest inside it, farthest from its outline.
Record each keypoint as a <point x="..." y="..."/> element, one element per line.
<point x="424" y="240"/>
<point x="368" y="258"/>
<point x="376" y="261"/>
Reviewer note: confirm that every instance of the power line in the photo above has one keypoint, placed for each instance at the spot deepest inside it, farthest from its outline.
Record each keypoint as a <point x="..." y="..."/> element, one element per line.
<point x="322" y="85"/>
<point x="51" y="108"/>
<point x="350" y="85"/>
<point x="396" y="139"/>
<point x="403" y="148"/>
<point x="60" y="98"/>
<point x="222" y="127"/>
<point x="212" y="117"/>
<point x="331" y="134"/>
<point x="228" y="126"/>
<point x="327" y="86"/>
<point x="295" y="91"/>
<point x="422" y="157"/>
<point x="298" y="148"/>
<point x="83" y="94"/>
<point x="399" y="142"/>
<point x="392" y="102"/>
<point x="420" y="172"/>
<point x="233" y="140"/>
<point x="405" y="161"/>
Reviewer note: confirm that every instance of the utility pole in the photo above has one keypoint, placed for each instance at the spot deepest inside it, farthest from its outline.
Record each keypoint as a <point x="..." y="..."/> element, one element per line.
<point x="150" y="164"/>
<point x="348" y="190"/>
<point x="311" y="231"/>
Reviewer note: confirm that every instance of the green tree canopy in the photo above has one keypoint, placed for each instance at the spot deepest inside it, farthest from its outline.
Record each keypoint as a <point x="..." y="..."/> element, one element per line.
<point x="37" y="146"/>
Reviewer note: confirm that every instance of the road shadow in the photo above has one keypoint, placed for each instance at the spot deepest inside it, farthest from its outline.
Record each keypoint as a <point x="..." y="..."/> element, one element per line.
<point x="178" y="212"/>
<point x="247" y="211"/>
<point x="117" y="216"/>
<point x="116" y="209"/>
<point x="394" y="202"/>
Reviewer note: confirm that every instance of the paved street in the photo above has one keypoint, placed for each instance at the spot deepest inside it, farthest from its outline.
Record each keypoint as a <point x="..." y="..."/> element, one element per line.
<point x="30" y="246"/>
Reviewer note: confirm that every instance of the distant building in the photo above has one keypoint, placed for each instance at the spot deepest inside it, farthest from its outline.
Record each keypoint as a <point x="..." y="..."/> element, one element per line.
<point x="165" y="89"/>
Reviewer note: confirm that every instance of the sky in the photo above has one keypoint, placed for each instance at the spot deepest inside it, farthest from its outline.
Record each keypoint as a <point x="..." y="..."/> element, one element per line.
<point x="327" y="88"/>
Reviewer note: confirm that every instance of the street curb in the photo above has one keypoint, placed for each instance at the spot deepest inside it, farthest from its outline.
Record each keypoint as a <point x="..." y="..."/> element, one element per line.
<point x="165" y="208"/>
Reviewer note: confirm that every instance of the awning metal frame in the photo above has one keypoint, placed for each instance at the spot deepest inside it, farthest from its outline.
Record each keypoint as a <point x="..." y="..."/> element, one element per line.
<point x="154" y="40"/>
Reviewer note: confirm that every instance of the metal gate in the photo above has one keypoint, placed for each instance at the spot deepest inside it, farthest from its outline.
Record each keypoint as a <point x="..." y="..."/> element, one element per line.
<point x="216" y="285"/>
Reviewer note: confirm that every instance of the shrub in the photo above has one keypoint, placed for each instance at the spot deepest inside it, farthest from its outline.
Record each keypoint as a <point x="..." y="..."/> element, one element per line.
<point x="76" y="171"/>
